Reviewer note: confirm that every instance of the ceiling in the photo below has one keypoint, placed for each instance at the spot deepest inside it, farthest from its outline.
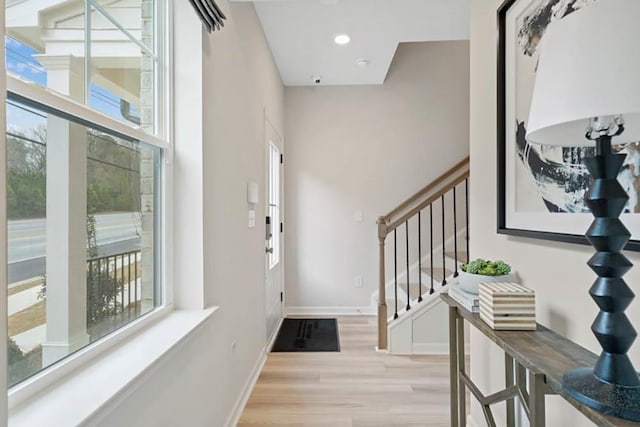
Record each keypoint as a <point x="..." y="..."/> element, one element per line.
<point x="301" y="32"/>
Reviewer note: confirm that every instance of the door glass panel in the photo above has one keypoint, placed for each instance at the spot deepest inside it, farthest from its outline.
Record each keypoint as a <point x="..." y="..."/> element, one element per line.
<point x="274" y="204"/>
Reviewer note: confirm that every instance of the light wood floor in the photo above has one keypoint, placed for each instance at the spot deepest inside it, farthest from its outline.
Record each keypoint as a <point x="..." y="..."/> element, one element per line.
<point x="356" y="387"/>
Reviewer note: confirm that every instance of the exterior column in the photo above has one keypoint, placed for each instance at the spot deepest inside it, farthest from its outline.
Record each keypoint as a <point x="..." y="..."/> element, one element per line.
<point x="147" y="163"/>
<point x="65" y="74"/>
<point x="147" y="172"/>
<point x="66" y="271"/>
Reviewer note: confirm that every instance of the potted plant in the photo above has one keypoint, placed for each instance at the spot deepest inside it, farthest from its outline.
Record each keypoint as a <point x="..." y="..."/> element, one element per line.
<point x="481" y="271"/>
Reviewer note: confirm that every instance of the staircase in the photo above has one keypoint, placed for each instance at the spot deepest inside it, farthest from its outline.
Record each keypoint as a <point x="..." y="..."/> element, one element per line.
<point x="422" y="242"/>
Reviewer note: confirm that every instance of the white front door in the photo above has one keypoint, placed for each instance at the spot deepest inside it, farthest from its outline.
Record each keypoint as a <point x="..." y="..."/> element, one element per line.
<point x="274" y="241"/>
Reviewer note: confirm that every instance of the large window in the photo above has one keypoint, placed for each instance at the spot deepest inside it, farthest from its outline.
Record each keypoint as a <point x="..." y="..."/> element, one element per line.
<point x="84" y="175"/>
<point x="101" y="53"/>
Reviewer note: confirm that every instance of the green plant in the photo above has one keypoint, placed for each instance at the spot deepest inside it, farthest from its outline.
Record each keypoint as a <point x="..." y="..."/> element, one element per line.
<point x="486" y="268"/>
<point x="21" y="365"/>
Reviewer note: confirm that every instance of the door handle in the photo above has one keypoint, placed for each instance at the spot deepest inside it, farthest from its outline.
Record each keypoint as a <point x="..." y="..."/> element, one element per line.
<point x="268" y="250"/>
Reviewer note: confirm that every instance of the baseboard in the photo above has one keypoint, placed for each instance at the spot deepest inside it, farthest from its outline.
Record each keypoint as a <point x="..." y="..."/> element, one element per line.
<point x="236" y="413"/>
<point x="430" y="348"/>
<point x="331" y="311"/>
<point x="273" y="337"/>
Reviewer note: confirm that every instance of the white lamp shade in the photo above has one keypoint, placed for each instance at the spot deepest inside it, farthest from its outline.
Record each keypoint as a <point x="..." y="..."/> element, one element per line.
<point x="589" y="66"/>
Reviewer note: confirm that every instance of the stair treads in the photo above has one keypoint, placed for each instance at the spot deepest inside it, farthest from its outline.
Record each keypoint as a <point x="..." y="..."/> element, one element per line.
<point x="297" y="335"/>
<point x="414" y="290"/>
<point x="462" y="255"/>
<point x="437" y="273"/>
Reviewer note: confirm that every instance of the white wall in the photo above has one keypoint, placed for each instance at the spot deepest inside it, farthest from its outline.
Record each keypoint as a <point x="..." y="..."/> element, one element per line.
<point x="558" y="272"/>
<point x="365" y="148"/>
<point x="200" y="382"/>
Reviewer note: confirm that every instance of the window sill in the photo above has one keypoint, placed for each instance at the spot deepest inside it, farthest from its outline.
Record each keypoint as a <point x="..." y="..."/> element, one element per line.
<point x="83" y="393"/>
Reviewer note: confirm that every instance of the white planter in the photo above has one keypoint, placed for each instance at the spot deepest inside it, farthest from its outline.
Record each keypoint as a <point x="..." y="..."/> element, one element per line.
<point x="471" y="282"/>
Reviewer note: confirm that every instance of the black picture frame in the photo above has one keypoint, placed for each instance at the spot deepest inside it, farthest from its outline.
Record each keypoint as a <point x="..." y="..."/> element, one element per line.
<point x="503" y="226"/>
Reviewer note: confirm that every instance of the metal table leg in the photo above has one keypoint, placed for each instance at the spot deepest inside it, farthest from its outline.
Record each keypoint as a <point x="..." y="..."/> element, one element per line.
<point x="537" y="390"/>
<point x="462" y="406"/>
<point x="509" y="380"/>
<point x="453" y="364"/>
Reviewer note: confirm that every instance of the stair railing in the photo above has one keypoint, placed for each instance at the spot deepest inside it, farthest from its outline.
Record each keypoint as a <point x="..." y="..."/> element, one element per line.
<point x="437" y="192"/>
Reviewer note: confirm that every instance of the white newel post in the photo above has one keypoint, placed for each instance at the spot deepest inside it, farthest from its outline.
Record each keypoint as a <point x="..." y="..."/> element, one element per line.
<point x="66" y="271"/>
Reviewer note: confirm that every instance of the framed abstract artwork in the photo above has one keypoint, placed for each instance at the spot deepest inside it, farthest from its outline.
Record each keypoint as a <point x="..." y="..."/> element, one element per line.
<point x="541" y="188"/>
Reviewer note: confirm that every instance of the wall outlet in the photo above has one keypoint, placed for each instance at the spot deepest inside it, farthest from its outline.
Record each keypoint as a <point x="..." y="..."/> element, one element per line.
<point x="359" y="283"/>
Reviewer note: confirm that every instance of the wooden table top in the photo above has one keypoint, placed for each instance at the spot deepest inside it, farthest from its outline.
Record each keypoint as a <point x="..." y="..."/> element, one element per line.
<point x="543" y="352"/>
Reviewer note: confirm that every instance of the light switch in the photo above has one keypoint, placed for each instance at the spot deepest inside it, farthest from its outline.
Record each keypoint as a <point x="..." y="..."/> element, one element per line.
<point x="359" y="216"/>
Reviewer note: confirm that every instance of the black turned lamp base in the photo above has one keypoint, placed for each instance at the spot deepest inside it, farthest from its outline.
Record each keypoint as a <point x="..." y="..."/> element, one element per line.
<point x="613" y="385"/>
<point x="612" y="399"/>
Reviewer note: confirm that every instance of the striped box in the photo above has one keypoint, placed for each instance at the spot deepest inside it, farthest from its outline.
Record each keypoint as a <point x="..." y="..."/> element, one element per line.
<point x="508" y="306"/>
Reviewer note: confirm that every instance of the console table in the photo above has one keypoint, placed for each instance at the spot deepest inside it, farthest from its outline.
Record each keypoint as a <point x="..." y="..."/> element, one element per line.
<point x="541" y="355"/>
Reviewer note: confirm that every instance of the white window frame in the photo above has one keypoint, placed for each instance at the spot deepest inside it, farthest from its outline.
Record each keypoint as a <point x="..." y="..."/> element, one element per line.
<point x="83" y="113"/>
<point x="3" y="230"/>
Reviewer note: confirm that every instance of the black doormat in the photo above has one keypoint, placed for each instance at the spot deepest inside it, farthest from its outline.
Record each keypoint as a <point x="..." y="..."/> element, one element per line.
<point x="307" y="335"/>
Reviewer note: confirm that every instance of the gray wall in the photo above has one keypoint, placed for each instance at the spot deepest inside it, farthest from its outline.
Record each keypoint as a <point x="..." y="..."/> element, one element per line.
<point x="366" y="148"/>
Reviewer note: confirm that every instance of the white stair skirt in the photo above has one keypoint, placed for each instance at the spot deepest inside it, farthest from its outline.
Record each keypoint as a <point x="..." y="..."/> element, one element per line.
<point x="421" y="330"/>
<point x="424" y="328"/>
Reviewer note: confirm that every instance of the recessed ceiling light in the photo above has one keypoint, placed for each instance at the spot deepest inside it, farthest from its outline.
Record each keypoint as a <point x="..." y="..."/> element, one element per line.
<point x="342" y="39"/>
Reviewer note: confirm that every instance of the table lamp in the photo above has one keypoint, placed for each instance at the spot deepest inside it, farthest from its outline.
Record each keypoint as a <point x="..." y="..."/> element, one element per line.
<point x="587" y="93"/>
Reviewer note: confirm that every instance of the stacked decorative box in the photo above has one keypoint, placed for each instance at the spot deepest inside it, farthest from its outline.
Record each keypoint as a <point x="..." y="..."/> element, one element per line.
<point x="508" y="306"/>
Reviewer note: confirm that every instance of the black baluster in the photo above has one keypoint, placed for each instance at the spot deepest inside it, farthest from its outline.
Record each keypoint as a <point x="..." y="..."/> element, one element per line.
<point x="129" y="283"/>
<point x="135" y="285"/>
<point x="466" y="204"/>
<point x="406" y="228"/>
<point x="109" y="282"/>
<point x="431" y="239"/>
<point x="123" y="290"/>
<point x="419" y="258"/>
<point x="115" y="285"/>
<point x="455" y="234"/>
<point x="395" y="271"/>
<point x="89" y="293"/>
<point x="444" y="262"/>
<point x="122" y="282"/>
<point x="100" y="287"/>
